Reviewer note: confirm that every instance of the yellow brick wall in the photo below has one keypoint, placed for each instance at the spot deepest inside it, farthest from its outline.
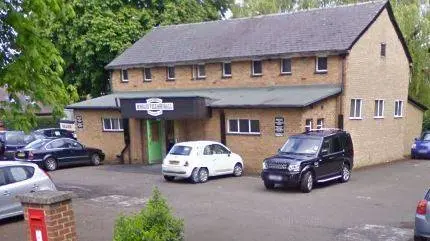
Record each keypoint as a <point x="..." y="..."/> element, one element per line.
<point x="370" y="76"/>
<point x="92" y="135"/>
<point x="414" y="123"/>
<point x="303" y="73"/>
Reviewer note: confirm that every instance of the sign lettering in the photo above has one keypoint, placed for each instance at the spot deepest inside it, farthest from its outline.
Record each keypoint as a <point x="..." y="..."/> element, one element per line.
<point x="154" y="106"/>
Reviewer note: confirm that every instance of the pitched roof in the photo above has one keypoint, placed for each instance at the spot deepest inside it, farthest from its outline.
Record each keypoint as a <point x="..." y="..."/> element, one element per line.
<point x="331" y="30"/>
<point x="4" y="96"/>
<point x="276" y="96"/>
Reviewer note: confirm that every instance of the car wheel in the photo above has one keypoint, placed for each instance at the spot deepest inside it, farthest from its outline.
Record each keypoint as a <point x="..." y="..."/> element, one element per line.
<point x="169" y="178"/>
<point x="203" y="175"/>
<point x="269" y="185"/>
<point x="237" y="170"/>
<point x="194" y="178"/>
<point x="346" y="173"/>
<point x="51" y="164"/>
<point x="307" y="182"/>
<point x="95" y="159"/>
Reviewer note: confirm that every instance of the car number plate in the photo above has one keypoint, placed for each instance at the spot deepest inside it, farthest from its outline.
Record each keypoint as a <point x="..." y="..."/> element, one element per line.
<point x="21" y="154"/>
<point x="275" y="178"/>
<point x="422" y="151"/>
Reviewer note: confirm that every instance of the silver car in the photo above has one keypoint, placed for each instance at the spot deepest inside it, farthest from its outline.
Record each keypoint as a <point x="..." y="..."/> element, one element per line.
<point x="422" y="219"/>
<point x="18" y="178"/>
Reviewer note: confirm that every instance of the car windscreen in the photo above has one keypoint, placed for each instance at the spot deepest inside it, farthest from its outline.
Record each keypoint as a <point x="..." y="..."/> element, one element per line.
<point x="15" y="138"/>
<point x="36" y="144"/>
<point x="301" y="146"/>
<point x="426" y="137"/>
<point x="180" y="150"/>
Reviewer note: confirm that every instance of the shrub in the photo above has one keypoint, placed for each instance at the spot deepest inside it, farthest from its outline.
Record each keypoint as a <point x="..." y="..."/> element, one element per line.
<point x="153" y="223"/>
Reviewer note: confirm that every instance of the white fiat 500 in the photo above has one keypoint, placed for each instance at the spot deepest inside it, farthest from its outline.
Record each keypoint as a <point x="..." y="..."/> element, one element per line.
<point x="198" y="160"/>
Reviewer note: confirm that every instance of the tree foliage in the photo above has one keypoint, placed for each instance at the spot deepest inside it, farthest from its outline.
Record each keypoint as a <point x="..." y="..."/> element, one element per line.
<point x="102" y="29"/>
<point x="154" y="223"/>
<point x="30" y="63"/>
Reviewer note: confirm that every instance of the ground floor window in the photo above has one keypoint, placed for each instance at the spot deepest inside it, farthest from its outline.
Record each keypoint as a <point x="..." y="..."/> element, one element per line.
<point x="308" y="124"/>
<point x="320" y="123"/>
<point x="112" y="124"/>
<point x="355" y="111"/>
<point x="244" y="126"/>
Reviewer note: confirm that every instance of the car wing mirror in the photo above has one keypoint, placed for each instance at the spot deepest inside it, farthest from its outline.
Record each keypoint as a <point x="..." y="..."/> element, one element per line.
<point x="324" y="152"/>
<point x="416" y="139"/>
<point x="229" y="153"/>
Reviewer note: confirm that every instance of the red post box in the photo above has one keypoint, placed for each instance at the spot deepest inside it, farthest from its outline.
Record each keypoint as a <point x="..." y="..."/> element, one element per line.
<point x="36" y="222"/>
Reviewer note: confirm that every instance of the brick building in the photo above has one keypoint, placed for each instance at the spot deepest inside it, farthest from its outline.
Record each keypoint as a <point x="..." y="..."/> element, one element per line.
<point x="252" y="82"/>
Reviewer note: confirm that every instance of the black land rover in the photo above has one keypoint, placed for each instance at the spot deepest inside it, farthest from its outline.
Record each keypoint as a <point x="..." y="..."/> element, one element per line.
<point x="314" y="156"/>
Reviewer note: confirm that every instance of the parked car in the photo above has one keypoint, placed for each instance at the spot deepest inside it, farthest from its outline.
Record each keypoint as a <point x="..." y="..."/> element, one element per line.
<point x="312" y="157"/>
<point x="199" y="160"/>
<point x="54" y="133"/>
<point x="53" y="153"/>
<point x="12" y="141"/>
<point x="19" y="178"/>
<point x="422" y="219"/>
<point x="421" y="146"/>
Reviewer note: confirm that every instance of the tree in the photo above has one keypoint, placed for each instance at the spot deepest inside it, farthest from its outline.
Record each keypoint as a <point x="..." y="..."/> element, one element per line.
<point x="102" y="29"/>
<point x="30" y="64"/>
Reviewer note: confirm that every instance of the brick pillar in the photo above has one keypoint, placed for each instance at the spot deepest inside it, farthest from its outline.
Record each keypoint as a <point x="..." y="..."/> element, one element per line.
<point x="49" y="216"/>
<point x="135" y="129"/>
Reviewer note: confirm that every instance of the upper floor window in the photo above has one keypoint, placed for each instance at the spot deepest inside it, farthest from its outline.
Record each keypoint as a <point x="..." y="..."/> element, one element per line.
<point x="321" y="65"/>
<point x="355" y="111"/>
<point x="124" y="75"/>
<point x="320" y="123"/>
<point x="383" y="49"/>
<point x="244" y="126"/>
<point x="257" y="68"/>
<point x="379" y="108"/>
<point x="398" y="108"/>
<point x="226" y="69"/>
<point x="147" y="76"/>
<point x="286" y="66"/>
<point x="201" y="71"/>
<point x="308" y="124"/>
<point x="170" y="72"/>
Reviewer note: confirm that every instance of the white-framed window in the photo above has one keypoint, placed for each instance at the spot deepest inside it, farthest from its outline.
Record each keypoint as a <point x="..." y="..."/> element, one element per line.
<point x="320" y="123"/>
<point x="147" y="75"/>
<point x="286" y="66"/>
<point x="355" y="110"/>
<point x="321" y="65"/>
<point x="170" y="72"/>
<point x="398" y="108"/>
<point x="226" y="69"/>
<point x="243" y="126"/>
<point x="379" y="109"/>
<point x="201" y="71"/>
<point x="257" y="67"/>
<point x="308" y="124"/>
<point x="112" y="124"/>
<point x="124" y="75"/>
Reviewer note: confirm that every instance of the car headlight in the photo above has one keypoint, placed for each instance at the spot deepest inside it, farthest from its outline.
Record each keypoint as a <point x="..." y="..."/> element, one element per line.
<point x="264" y="165"/>
<point x="294" y="167"/>
<point x="414" y="146"/>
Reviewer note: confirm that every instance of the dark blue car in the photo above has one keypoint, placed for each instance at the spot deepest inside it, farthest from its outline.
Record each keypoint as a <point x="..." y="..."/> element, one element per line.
<point x="421" y="147"/>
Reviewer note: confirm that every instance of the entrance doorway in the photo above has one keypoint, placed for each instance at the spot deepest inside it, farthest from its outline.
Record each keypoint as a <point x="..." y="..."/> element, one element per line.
<point x="155" y="141"/>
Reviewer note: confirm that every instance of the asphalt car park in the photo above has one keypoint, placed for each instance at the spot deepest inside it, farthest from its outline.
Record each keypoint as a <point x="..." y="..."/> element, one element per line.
<point x="378" y="203"/>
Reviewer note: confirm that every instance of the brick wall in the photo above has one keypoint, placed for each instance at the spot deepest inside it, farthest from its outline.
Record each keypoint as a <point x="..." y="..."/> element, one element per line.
<point x="92" y="135"/>
<point x="303" y="73"/>
<point x="370" y="76"/>
<point x="414" y="123"/>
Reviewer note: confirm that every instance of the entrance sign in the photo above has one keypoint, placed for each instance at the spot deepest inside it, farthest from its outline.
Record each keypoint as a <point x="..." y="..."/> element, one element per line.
<point x="154" y="106"/>
<point x="279" y="126"/>
<point x="165" y="108"/>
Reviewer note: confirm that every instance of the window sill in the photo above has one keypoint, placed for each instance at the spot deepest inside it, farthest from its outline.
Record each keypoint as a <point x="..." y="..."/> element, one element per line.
<point x="113" y="130"/>
<point x="285" y="73"/>
<point x="201" y="78"/>
<point x="398" y="117"/>
<point x="226" y="76"/>
<point x="378" y="117"/>
<point x="124" y="81"/>
<point x="355" y="118"/>
<point x="321" y="72"/>
<point x="170" y="80"/>
<point x="147" y="80"/>
<point x="256" y="75"/>
<point x="243" y="134"/>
